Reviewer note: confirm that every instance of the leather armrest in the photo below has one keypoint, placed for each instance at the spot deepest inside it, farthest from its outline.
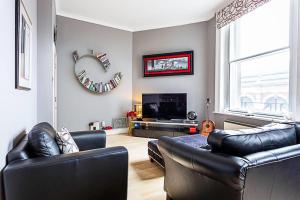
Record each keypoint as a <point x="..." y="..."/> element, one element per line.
<point x="94" y="174"/>
<point x="271" y="156"/>
<point x="273" y="173"/>
<point x="224" y="168"/>
<point x="19" y="151"/>
<point x="87" y="140"/>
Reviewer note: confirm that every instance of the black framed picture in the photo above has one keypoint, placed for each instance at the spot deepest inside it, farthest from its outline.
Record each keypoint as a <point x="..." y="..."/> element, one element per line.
<point x="23" y="45"/>
<point x="169" y="64"/>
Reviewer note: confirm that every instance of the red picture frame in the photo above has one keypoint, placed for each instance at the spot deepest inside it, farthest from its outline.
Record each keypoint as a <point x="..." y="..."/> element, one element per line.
<point x="169" y="64"/>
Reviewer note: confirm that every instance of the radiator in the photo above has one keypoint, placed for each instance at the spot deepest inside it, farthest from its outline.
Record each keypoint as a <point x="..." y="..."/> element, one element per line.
<point x="232" y="125"/>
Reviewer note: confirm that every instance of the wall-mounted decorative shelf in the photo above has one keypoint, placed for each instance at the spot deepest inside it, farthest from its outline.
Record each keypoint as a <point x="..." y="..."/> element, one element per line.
<point x="92" y="86"/>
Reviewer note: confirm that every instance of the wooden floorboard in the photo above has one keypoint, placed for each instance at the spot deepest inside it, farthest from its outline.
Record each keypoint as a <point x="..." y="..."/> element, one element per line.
<point x="145" y="179"/>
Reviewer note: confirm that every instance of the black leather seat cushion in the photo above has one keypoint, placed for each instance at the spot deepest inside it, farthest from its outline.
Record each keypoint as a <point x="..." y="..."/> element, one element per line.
<point x="248" y="141"/>
<point x="42" y="141"/>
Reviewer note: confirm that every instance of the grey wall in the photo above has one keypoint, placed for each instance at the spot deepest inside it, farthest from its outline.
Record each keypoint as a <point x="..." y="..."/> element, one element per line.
<point x="77" y="106"/>
<point x="180" y="38"/>
<point x="46" y="23"/>
<point x="17" y="107"/>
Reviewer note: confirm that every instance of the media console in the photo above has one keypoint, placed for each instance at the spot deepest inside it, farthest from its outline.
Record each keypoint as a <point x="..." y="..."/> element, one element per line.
<point x="156" y="129"/>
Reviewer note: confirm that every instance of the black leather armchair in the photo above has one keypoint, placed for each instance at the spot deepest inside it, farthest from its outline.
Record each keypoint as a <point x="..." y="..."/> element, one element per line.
<point x="93" y="173"/>
<point x="269" y="172"/>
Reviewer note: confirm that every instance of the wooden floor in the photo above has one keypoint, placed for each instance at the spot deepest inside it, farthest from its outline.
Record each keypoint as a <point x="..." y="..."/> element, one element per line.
<point x="145" y="179"/>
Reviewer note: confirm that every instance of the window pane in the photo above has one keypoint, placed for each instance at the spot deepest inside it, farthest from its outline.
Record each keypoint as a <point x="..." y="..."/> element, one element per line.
<point x="262" y="30"/>
<point x="261" y="84"/>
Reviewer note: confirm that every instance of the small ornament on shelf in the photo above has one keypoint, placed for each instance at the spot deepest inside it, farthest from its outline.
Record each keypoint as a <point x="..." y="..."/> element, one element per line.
<point x="107" y="128"/>
<point x="94" y="126"/>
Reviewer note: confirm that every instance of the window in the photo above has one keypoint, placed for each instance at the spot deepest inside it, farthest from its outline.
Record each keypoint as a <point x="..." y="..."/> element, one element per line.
<point x="275" y="104"/>
<point x="246" y="103"/>
<point x="259" y="60"/>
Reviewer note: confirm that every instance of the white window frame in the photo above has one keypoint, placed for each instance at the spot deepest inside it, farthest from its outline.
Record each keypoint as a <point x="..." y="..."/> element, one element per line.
<point x="222" y="97"/>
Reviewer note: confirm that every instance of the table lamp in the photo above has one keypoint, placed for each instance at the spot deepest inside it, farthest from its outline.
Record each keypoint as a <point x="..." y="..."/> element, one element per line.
<point x="138" y="109"/>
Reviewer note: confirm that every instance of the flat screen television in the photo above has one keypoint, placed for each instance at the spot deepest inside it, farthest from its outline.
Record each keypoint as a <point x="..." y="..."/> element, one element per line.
<point x="164" y="106"/>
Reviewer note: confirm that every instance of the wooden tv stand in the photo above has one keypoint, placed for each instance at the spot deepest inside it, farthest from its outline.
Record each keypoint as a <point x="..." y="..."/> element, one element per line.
<point x="156" y="129"/>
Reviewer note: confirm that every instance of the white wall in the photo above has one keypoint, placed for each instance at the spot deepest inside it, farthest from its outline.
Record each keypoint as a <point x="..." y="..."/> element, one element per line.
<point x="46" y="23"/>
<point x="180" y="38"/>
<point x="77" y="107"/>
<point x="18" y="108"/>
<point x="18" y="111"/>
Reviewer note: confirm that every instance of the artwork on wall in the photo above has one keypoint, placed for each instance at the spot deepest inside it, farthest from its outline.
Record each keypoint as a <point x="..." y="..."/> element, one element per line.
<point x="168" y="64"/>
<point x="120" y="122"/>
<point x="90" y="85"/>
<point x="23" y="45"/>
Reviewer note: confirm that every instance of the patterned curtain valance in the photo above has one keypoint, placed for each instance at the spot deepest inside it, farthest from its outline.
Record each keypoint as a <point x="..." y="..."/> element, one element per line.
<point x="235" y="10"/>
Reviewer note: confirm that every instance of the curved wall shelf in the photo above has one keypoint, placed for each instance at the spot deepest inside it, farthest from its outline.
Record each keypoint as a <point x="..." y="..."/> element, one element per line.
<point x="90" y="85"/>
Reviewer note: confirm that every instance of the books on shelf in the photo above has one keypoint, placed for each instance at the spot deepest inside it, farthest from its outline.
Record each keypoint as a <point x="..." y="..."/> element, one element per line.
<point x="103" y="60"/>
<point x="99" y="87"/>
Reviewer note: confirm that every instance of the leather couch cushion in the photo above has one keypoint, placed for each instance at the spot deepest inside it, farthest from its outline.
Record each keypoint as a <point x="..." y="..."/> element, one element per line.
<point x="248" y="141"/>
<point x="42" y="140"/>
<point x="45" y="126"/>
<point x="297" y="126"/>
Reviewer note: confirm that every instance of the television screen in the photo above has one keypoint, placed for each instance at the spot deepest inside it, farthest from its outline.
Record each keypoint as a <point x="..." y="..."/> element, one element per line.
<point x="164" y="106"/>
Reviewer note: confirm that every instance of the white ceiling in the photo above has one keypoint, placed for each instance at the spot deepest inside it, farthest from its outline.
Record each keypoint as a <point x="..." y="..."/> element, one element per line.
<point x="137" y="15"/>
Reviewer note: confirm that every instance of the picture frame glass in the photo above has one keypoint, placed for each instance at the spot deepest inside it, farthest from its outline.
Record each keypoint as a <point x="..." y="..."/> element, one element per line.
<point x="174" y="64"/>
<point x="178" y="63"/>
<point x="23" y="47"/>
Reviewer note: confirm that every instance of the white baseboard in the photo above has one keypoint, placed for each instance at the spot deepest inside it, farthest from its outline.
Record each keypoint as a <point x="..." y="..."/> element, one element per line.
<point x="116" y="131"/>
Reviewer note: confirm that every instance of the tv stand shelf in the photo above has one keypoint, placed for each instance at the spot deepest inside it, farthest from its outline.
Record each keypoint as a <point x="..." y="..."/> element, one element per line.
<point x="156" y="129"/>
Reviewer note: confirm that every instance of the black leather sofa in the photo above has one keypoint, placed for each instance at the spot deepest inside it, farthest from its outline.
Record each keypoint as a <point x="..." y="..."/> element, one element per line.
<point x="254" y="164"/>
<point x="93" y="173"/>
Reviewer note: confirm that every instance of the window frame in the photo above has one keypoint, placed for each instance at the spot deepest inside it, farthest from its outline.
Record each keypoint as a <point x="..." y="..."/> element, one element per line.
<point x="257" y="56"/>
<point x="222" y="90"/>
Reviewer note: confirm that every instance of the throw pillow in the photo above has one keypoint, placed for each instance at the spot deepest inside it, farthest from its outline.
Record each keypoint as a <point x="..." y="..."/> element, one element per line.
<point x="65" y="142"/>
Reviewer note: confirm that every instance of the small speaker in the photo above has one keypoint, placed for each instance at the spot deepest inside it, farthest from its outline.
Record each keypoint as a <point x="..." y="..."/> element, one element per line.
<point x="192" y="115"/>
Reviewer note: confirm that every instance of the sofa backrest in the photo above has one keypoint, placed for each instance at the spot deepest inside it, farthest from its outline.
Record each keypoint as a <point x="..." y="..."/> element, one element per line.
<point x="46" y="127"/>
<point x="24" y="149"/>
<point x="248" y="141"/>
<point x="42" y="140"/>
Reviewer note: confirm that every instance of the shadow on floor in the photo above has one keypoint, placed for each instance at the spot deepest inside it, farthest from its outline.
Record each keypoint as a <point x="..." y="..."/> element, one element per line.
<point x="147" y="170"/>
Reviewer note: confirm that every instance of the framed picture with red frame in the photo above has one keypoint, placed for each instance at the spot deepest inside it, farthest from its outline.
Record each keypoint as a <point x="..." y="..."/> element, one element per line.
<point x="169" y="64"/>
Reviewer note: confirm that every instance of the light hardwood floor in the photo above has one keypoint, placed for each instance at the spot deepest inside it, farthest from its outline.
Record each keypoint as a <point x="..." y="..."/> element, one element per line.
<point x="145" y="179"/>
